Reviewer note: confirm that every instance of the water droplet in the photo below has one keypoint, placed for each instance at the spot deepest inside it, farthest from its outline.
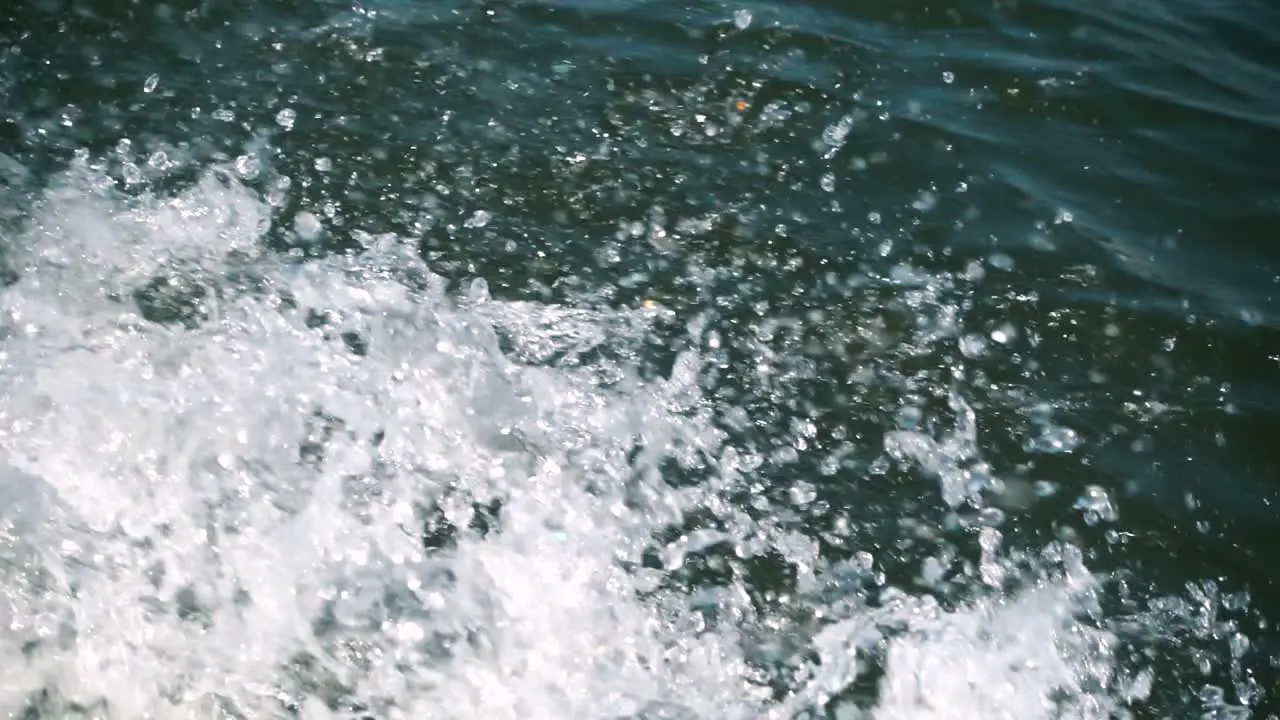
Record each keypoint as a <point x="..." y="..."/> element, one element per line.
<point x="224" y="115"/>
<point x="909" y="418"/>
<point x="933" y="571"/>
<point x="131" y="172"/>
<point x="69" y="115"/>
<point x="834" y="135"/>
<point x="991" y="517"/>
<point x="1213" y="696"/>
<point x="323" y="164"/>
<point x="926" y="202"/>
<point x="1000" y="261"/>
<point x="1055" y="440"/>
<point x="150" y="85"/>
<point x="1042" y="243"/>
<point x="286" y="117"/>
<point x="248" y="166"/>
<point x="46" y="624"/>
<point x="989" y="540"/>
<point x="1239" y="645"/>
<point x="1004" y="334"/>
<point x="159" y="160"/>
<point x="478" y="219"/>
<point x="948" y="77"/>
<point x="848" y="711"/>
<point x="1096" y="505"/>
<point x="742" y="19"/>
<point x="1045" y="488"/>
<point x="973" y="345"/>
<point x="307" y="226"/>
<point x="828" y="182"/>
<point x="803" y="493"/>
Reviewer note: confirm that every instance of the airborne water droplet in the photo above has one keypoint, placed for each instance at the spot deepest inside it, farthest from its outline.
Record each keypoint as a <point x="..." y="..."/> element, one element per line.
<point x="1054" y="439"/>
<point x="307" y="226"/>
<point x="479" y="291"/>
<point x="1000" y="261"/>
<point x="286" y="117"/>
<point x="248" y="166"/>
<point x="1096" y="505"/>
<point x="150" y="85"/>
<point x="925" y="202"/>
<point x="973" y="345"/>
<point x="1004" y="334"/>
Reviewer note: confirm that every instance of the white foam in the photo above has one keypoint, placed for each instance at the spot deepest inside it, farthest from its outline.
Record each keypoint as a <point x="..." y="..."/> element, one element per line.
<point x="165" y="553"/>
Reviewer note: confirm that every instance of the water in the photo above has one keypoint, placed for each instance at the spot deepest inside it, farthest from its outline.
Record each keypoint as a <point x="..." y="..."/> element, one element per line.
<point x="638" y="360"/>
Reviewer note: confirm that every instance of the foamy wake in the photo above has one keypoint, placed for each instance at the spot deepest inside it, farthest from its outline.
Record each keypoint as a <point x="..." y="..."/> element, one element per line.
<point x="225" y="518"/>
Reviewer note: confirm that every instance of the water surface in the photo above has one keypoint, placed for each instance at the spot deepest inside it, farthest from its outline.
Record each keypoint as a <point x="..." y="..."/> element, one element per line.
<point x="639" y="359"/>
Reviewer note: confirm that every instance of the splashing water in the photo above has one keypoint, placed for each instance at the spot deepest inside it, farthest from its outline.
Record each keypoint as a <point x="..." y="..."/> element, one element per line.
<point x="327" y="489"/>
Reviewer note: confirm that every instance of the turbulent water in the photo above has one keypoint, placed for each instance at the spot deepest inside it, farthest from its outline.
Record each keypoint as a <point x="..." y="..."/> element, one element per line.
<point x="638" y="360"/>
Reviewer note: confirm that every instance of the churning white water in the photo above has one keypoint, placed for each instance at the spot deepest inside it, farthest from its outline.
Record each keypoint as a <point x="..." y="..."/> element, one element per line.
<point x="225" y="518"/>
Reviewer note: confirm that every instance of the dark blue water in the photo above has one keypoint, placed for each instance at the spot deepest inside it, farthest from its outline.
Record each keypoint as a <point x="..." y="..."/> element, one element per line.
<point x="1006" y="265"/>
